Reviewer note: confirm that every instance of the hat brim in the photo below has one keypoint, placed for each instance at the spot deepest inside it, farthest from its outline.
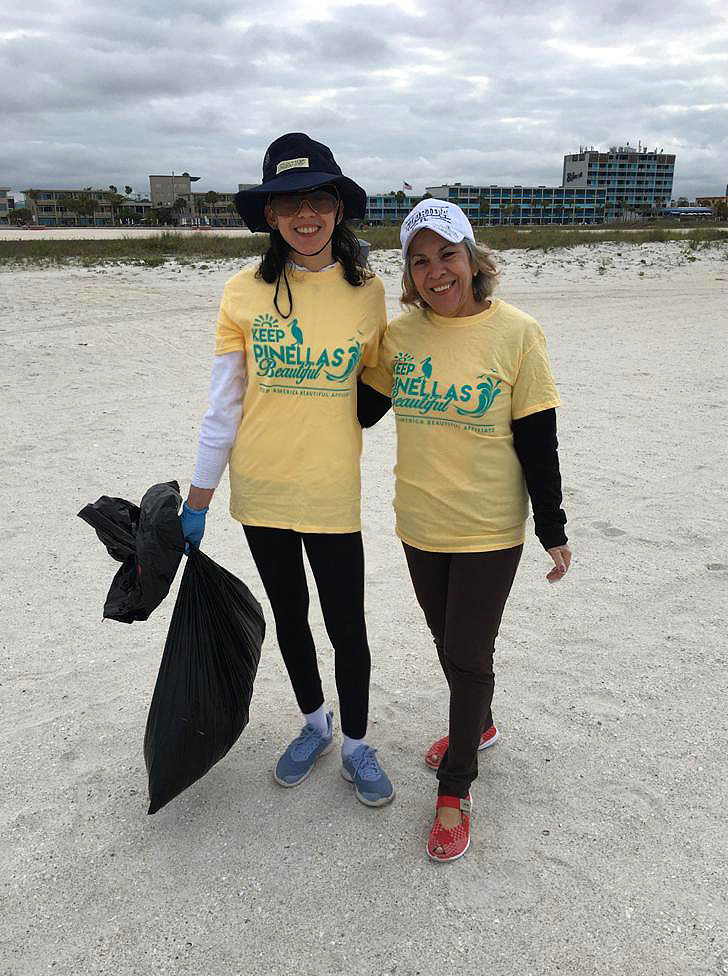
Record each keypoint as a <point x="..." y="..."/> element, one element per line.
<point x="250" y="203"/>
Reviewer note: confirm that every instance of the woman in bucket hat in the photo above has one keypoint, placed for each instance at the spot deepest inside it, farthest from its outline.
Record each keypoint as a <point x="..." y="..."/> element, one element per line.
<point x="469" y="378"/>
<point x="293" y="333"/>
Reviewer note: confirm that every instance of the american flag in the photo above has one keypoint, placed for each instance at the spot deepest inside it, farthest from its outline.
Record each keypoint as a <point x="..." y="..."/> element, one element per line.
<point x="407" y="186"/>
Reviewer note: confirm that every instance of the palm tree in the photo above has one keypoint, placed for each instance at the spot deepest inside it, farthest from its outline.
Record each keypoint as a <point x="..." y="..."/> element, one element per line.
<point x="211" y="198"/>
<point x="198" y="200"/>
<point x="33" y="195"/>
<point x="179" y="206"/>
<point x="160" y="215"/>
<point x="21" y="215"/>
<point x="67" y="203"/>
<point x="86" y="204"/>
<point x="484" y="207"/>
<point x="114" y="198"/>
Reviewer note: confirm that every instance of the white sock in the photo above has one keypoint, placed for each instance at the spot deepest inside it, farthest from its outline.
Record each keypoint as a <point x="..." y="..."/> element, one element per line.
<point x="318" y="719"/>
<point x="350" y="746"/>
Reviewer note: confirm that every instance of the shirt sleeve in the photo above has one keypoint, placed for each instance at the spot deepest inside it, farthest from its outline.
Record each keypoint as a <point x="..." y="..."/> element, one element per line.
<point x="379" y="311"/>
<point x="536" y="444"/>
<point x="371" y="406"/>
<point x="220" y="424"/>
<point x="534" y="388"/>
<point x="229" y="336"/>
<point x="379" y="375"/>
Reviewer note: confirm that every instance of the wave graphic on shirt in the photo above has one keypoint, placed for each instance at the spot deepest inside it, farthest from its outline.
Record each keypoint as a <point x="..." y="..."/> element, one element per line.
<point x="355" y="354"/>
<point x="488" y="392"/>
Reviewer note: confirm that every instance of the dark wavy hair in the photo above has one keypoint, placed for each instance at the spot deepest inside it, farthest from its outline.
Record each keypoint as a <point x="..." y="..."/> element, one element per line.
<point x="345" y="248"/>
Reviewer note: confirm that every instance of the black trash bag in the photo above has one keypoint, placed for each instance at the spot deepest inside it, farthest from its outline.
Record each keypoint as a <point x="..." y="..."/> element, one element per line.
<point x="202" y="695"/>
<point x="147" y="540"/>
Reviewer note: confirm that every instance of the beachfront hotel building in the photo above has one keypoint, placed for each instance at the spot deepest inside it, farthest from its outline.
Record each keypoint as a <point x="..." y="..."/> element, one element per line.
<point x="49" y="210"/>
<point x="219" y="210"/>
<point x="713" y="201"/>
<point x="165" y="190"/>
<point x="635" y="180"/>
<point x="500" y="204"/>
<point x="54" y="207"/>
<point x="595" y="187"/>
<point x="525" y="204"/>
<point x="208" y="208"/>
<point x="5" y="206"/>
<point x="386" y="208"/>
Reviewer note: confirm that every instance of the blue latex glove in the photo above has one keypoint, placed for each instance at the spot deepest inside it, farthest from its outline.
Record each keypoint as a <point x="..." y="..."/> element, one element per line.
<point x="192" y="521"/>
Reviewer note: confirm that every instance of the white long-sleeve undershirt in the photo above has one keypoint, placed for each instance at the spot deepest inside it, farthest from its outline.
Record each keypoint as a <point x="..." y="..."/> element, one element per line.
<point x="228" y="383"/>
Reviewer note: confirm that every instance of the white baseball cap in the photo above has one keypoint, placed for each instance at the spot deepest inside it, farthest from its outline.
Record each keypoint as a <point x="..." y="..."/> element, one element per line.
<point x="446" y="219"/>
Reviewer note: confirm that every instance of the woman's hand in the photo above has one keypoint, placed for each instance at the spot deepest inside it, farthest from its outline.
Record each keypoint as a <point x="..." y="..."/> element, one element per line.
<point x="193" y="515"/>
<point x="192" y="522"/>
<point x="561" y="556"/>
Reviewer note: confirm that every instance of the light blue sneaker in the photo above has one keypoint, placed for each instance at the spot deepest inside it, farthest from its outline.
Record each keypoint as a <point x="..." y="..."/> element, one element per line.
<point x="300" y="757"/>
<point x="371" y="783"/>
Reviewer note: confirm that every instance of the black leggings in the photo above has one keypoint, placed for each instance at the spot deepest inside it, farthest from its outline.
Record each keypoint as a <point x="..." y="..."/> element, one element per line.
<point x="463" y="596"/>
<point x="337" y="561"/>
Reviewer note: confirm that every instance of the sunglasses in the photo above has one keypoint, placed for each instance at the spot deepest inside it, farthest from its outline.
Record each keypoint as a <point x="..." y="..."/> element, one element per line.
<point x="320" y="201"/>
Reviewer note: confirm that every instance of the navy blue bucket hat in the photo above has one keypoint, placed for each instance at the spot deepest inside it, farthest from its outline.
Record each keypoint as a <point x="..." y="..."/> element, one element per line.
<point x="294" y="163"/>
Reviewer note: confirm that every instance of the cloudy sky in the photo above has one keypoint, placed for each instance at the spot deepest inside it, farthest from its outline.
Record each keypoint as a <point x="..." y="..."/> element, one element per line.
<point x="95" y="93"/>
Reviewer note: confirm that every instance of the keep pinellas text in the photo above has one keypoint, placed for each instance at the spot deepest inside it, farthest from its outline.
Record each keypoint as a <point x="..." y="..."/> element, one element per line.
<point x="292" y="361"/>
<point x="419" y="393"/>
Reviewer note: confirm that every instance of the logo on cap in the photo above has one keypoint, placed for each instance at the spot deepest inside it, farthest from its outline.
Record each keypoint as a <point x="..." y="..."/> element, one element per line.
<point x="425" y="215"/>
<point x="300" y="163"/>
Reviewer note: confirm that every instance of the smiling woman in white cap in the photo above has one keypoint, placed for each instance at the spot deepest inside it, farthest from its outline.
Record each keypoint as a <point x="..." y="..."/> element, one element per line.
<point x="292" y="335"/>
<point x="470" y="382"/>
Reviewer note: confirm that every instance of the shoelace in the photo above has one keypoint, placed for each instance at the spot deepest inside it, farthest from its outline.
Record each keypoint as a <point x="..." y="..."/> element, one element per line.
<point x="366" y="766"/>
<point x="306" y="742"/>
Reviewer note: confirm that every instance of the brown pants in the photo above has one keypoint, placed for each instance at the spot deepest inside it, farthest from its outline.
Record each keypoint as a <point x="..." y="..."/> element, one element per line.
<point x="463" y="595"/>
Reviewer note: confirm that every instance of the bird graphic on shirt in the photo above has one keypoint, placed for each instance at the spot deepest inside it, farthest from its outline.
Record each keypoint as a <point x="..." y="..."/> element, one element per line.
<point x="427" y="367"/>
<point x="296" y="332"/>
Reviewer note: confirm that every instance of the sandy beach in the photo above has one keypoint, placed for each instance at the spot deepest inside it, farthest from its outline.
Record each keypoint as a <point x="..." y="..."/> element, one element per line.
<point x="600" y="842"/>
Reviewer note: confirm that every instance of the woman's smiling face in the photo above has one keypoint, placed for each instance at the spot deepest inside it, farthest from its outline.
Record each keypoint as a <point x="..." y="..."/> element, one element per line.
<point x="309" y="228"/>
<point x="443" y="274"/>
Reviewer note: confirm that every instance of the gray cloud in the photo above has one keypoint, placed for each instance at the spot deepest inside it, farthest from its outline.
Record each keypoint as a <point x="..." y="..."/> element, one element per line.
<point x="496" y="94"/>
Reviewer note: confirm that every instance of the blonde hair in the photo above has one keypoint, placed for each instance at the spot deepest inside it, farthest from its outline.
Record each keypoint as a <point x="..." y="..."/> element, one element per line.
<point x="484" y="279"/>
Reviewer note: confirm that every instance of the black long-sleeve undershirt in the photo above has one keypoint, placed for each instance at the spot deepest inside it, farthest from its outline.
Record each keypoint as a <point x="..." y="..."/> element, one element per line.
<point x="535" y="443"/>
<point x="371" y="405"/>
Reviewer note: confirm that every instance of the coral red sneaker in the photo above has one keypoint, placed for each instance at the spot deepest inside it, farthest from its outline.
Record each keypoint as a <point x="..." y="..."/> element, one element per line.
<point x="433" y="756"/>
<point x="450" y="843"/>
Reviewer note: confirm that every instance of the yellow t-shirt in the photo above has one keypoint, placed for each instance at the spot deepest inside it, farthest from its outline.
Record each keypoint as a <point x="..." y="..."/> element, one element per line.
<point x="295" y="461"/>
<point x="456" y="384"/>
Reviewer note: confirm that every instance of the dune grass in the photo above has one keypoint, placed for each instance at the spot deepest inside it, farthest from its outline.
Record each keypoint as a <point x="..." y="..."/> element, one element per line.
<point x="195" y="248"/>
<point x="150" y="251"/>
<point x="544" y="238"/>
